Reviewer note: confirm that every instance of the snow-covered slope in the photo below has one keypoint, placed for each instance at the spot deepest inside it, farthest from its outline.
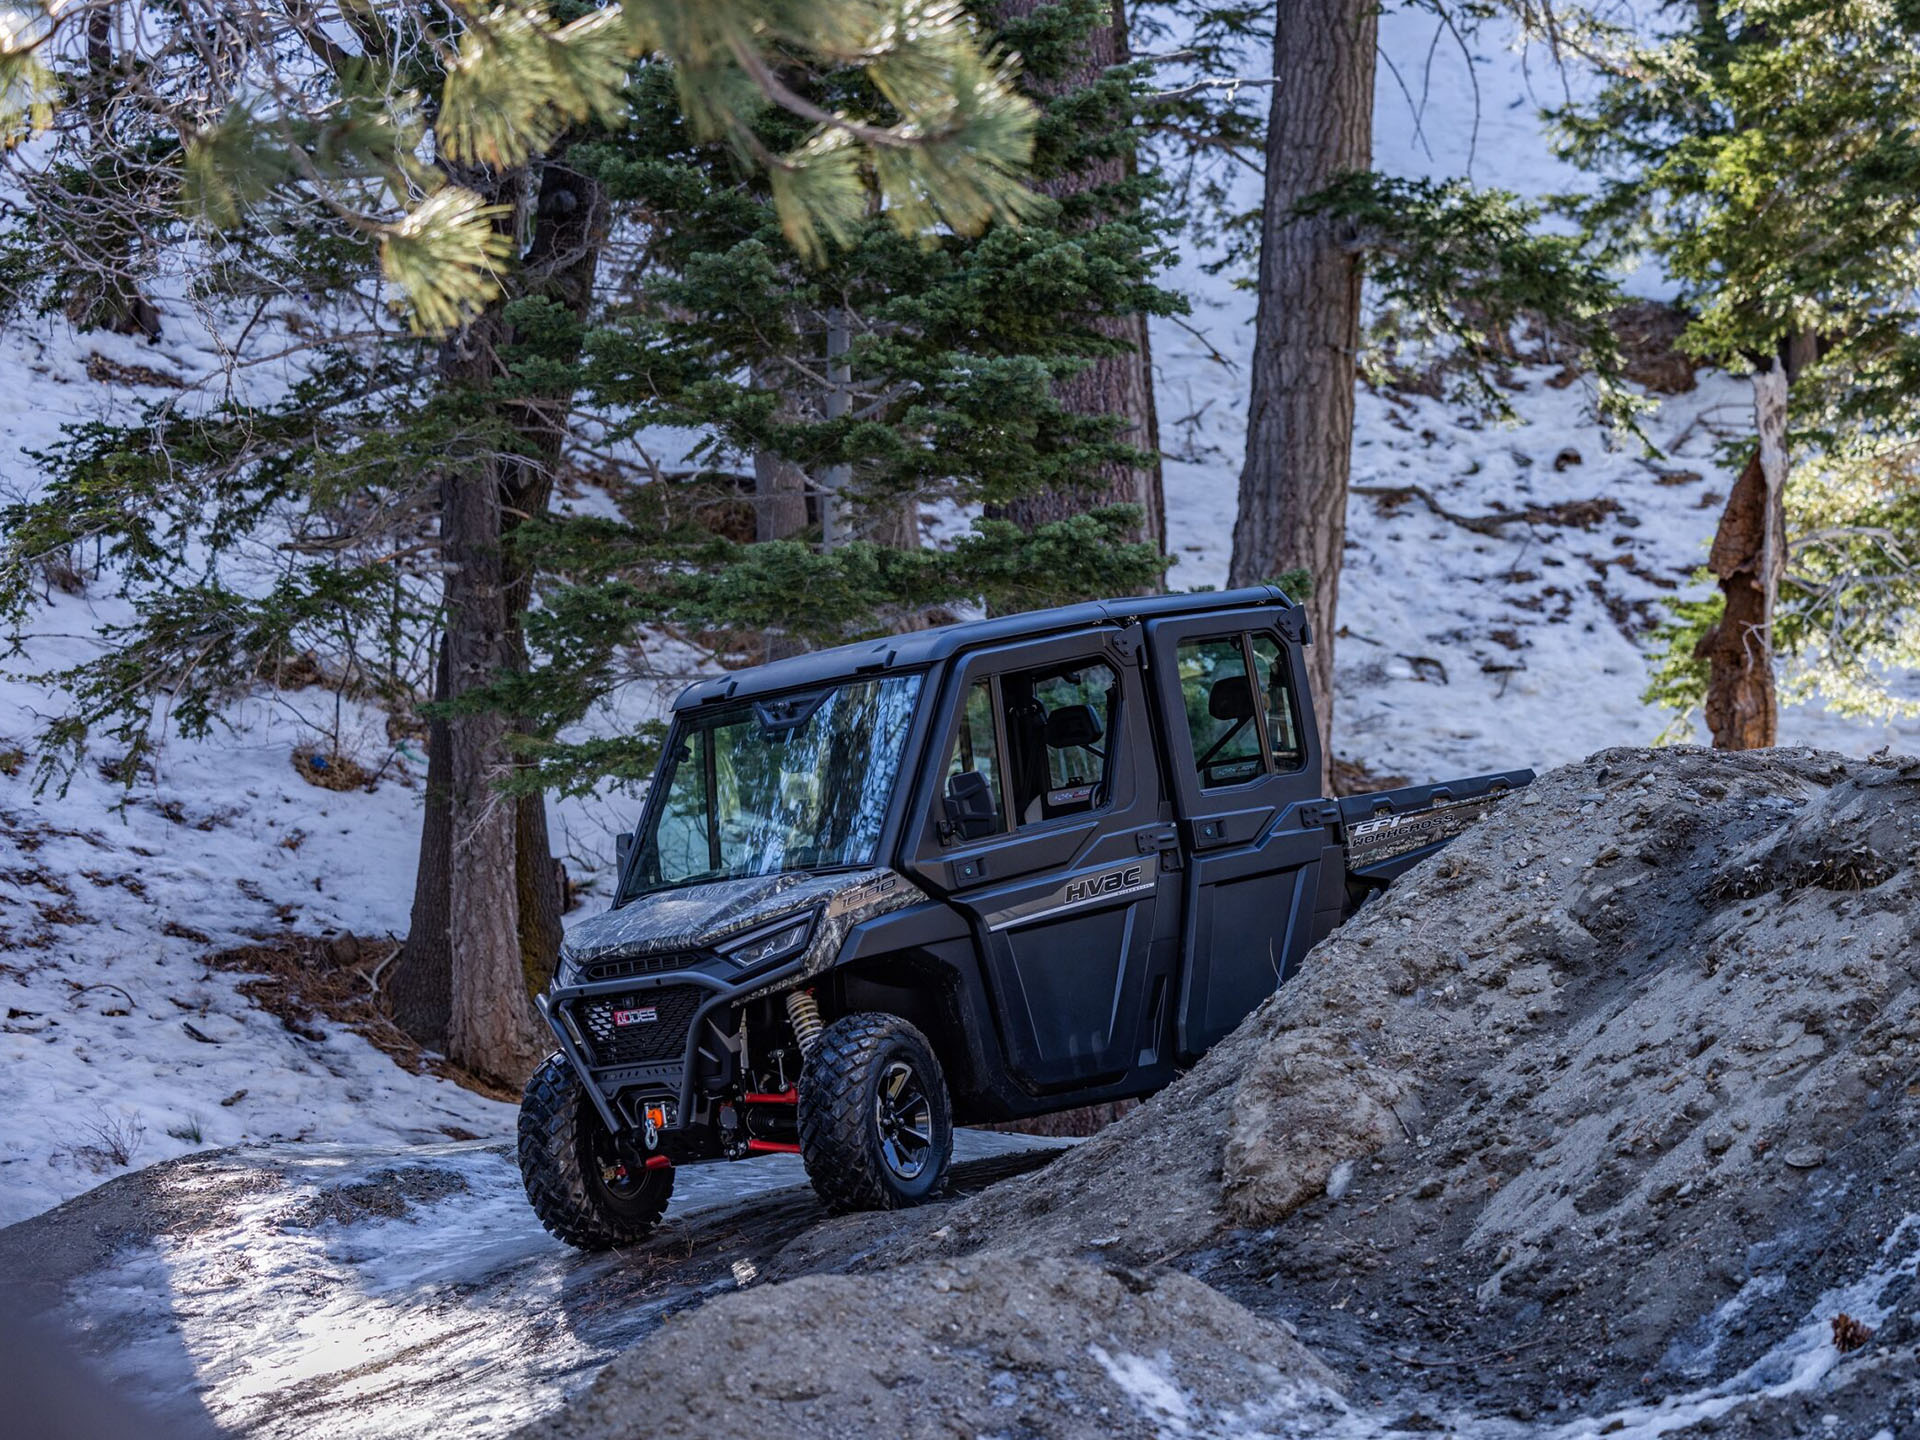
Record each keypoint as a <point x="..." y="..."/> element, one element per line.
<point x="118" y="1044"/>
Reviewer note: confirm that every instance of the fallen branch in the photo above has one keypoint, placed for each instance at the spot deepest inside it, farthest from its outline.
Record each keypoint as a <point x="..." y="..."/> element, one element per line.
<point x="1583" y="514"/>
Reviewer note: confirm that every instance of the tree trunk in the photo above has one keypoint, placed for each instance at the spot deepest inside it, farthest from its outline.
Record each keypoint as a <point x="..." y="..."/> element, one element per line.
<point x="491" y="1028"/>
<point x="489" y="895"/>
<point x="1749" y="558"/>
<point x="106" y="295"/>
<point x="561" y="264"/>
<point x="1293" y="489"/>
<point x="780" y="497"/>
<point x="1122" y="384"/>
<point x="421" y="990"/>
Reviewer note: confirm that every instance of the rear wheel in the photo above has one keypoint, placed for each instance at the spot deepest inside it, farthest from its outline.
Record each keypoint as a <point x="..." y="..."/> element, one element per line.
<point x="876" y="1126"/>
<point x="581" y="1188"/>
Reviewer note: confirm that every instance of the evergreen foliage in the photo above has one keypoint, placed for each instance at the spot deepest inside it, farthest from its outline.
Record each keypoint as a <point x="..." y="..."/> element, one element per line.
<point x="1766" y="151"/>
<point x="1459" y="271"/>
<point x="256" y="530"/>
<point x="233" y="104"/>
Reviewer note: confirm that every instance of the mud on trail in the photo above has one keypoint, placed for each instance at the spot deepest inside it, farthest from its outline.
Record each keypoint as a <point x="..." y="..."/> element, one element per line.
<point x="289" y="1290"/>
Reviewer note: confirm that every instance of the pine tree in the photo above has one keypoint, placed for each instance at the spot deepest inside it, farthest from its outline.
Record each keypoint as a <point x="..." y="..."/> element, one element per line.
<point x="230" y="104"/>
<point x="1454" y="267"/>
<point x="1761" y="151"/>
<point x="952" y="389"/>
<point x="1293" y="488"/>
<point x="1091" y="165"/>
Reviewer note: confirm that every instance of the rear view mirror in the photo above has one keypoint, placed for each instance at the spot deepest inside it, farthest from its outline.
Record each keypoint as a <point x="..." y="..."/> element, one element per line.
<point x="622" y="848"/>
<point x="969" y="805"/>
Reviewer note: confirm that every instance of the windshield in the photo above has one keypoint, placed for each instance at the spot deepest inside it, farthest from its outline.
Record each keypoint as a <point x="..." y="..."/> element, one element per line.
<point x="800" y="782"/>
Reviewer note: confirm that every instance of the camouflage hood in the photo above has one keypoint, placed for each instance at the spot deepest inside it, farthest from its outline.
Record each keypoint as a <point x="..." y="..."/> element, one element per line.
<point x="701" y="916"/>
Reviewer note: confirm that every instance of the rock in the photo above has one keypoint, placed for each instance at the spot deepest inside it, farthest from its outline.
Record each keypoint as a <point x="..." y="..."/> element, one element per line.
<point x="1072" y="1350"/>
<point x="1805" y="1157"/>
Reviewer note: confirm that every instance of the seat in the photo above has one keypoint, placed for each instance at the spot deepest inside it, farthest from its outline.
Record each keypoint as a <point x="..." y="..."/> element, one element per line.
<point x="1073" y="727"/>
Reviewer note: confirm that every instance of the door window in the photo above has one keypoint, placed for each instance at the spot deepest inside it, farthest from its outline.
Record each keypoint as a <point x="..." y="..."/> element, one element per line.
<point x="1282" y="715"/>
<point x="1058" y="722"/>
<point x="1221" y="712"/>
<point x="1047" y="756"/>
<point x="975" y="801"/>
<point x="1241" y="727"/>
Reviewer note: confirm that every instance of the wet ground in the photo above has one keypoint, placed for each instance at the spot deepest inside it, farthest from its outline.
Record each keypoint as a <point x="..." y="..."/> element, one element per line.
<point x="284" y="1291"/>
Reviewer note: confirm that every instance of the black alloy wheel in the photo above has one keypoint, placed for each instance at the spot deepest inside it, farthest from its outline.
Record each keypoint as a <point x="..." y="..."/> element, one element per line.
<point x="904" y="1117"/>
<point x="876" y="1126"/>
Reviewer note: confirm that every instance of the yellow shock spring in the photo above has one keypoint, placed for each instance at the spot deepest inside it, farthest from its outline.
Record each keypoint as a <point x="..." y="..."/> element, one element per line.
<point x="804" y="1011"/>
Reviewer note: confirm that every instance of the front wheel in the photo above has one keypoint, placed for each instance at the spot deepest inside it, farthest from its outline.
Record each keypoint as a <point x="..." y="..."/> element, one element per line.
<point x="876" y="1127"/>
<point x="582" y="1189"/>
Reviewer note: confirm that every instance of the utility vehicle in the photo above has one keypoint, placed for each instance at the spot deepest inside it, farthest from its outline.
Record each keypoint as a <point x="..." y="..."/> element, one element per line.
<point x="967" y="874"/>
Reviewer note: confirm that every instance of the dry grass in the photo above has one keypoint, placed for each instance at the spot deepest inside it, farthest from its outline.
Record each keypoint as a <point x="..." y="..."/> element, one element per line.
<point x="305" y="979"/>
<point x="105" y="371"/>
<point x="331" y="771"/>
<point x="113" y="1142"/>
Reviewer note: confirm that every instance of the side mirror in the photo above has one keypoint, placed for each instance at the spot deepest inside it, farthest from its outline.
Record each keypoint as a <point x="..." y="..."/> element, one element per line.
<point x="622" y="848"/>
<point x="969" y="806"/>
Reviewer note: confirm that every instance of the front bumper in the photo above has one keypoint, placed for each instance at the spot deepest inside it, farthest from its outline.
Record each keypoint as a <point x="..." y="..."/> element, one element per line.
<point x="665" y="1061"/>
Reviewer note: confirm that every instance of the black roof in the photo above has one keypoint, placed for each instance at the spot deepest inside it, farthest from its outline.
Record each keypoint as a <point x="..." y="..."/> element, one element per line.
<point x="918" y="648"/>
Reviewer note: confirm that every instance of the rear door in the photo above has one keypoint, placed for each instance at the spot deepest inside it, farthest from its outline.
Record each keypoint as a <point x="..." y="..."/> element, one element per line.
<point x="1059" y="869"/>
<point x="1265" y="877"/>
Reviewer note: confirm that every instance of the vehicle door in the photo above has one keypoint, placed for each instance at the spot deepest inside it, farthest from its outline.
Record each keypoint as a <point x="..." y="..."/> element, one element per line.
<point x="1043" y="825"/>
<point x="1264" y="878"/>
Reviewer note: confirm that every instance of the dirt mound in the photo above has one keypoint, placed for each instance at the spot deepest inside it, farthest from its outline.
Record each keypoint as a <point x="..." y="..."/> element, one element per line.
<point x="981" y="1346"/>
<point x="1609" y="1094"/>
<point x="1642" y="1042"/>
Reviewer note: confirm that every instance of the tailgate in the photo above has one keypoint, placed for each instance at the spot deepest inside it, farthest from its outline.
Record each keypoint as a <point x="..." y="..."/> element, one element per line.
<point x="1388" y="832"/>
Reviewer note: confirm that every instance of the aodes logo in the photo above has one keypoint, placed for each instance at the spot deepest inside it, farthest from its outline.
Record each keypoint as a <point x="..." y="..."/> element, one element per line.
<point x="645" y="1015"/>
<point x="1106" y="884"/>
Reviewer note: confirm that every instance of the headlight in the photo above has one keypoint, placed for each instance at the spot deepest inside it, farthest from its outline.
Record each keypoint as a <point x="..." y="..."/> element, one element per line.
<point x="773" y="943"/>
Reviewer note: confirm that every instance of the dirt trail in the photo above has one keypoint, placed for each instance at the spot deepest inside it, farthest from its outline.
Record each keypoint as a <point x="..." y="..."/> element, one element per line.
<point x="283" y="1291"/>
<point x="1597" y="1114"/>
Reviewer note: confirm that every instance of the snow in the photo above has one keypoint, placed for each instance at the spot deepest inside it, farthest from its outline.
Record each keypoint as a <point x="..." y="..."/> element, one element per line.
<point x="115" y="1032"/>
<point x="1794" y="1365"/>
<point x="1147" y="1383"/>
<point x="462" y="1307"/>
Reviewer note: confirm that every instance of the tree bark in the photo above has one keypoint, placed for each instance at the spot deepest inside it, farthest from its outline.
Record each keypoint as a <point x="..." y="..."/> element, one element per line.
<point x="1121" y="384"/>
<point x="491" y="1029"/>
<point x="1293" y="489"/>
<point x="561" y="264"/>
<point x="489" y="895"/>
<point x="421" y="991"/>
<point x="780" y="497"/>
<point x="1749" y="559"/>
<point x="106" y="295"/>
